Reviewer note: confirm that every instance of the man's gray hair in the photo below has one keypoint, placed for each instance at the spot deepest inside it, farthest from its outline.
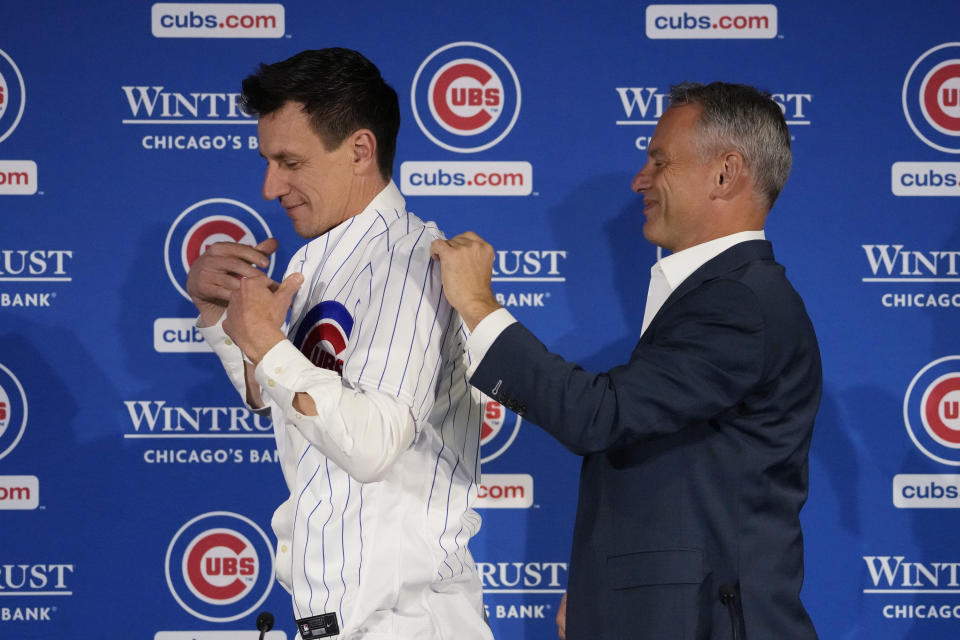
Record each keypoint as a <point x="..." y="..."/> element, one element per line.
<point x="741" y="118"/>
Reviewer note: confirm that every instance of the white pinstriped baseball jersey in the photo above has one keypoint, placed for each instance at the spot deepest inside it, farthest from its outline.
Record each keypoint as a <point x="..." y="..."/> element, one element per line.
<point x="390" y="558"/>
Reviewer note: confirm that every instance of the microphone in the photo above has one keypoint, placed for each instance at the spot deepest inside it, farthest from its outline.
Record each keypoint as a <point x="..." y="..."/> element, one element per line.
<point x="728" y="597"/>
<point x="264" y="622"/>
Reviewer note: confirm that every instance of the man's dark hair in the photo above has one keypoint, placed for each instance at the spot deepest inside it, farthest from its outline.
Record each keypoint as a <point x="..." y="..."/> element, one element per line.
<point x="740" y="117"/>
<point x="340" y="90"/>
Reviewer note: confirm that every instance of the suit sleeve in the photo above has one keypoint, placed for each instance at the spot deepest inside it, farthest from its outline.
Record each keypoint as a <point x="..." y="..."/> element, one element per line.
<point x="705" y="354"/>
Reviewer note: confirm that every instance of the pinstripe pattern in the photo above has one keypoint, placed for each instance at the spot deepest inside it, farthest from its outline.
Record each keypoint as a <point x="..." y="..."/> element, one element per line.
<point x="347" y="540"/>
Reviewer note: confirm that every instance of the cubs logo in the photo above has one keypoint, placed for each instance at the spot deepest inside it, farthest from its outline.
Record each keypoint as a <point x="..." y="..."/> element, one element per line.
<point x="13" y="411"/>
<point x="931" y="97"/>
<point x="13" y="95"/>
<point x="465" y="97"/>
<point x="931" y="410"/>
<point x="323" y="335"/>
<point x="219" y="566"/>
<point x="207" y="222"/>
<point x="494" y="439"/>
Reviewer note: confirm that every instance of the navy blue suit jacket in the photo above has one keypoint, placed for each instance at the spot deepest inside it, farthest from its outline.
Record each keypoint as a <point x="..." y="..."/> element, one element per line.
<point x="695" y="458"/>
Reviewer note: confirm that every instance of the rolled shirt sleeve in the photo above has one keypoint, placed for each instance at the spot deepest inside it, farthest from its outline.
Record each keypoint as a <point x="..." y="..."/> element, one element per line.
<point x="361" y="430"/>
<point x="230" y="357"/>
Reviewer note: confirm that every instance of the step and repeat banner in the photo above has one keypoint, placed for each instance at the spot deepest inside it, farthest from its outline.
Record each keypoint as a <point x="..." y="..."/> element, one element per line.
<point x="136" y="490"/>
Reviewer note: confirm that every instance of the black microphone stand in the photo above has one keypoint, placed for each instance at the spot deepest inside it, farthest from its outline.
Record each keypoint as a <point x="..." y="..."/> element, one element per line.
<point x="264" y="622"/>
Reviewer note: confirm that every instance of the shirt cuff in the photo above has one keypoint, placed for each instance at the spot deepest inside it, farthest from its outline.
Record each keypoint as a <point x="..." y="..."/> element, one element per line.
<point x="216" y="337"/>
<point x="229" y="353"/>
<point x="284" y="366"/>
<point x="484" y="335"/>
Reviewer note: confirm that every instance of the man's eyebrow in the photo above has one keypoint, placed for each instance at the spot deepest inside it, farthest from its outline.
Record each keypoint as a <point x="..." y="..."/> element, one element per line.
<point x="279" y="156"/>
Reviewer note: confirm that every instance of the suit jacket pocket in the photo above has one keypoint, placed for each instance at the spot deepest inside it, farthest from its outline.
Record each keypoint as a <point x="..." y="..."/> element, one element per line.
<point x="663" y="566"/>
<point x="658" y="594"/>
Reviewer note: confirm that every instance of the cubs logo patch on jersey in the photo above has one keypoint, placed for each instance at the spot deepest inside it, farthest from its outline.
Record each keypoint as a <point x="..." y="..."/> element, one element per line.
<point x="324" y="333"/>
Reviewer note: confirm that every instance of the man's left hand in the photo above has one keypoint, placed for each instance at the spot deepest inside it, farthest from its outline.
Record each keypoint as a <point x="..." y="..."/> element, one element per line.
<point x="257" y="311"/>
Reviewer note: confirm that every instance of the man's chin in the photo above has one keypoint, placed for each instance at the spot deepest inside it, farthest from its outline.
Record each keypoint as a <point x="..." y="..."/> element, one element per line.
<point x="306" y="234"/>
<point x="649" y="232"/>
<point x="302" y="227"/>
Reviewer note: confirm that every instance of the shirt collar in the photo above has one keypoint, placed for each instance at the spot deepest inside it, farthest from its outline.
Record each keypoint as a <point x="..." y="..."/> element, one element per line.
<point x="389" y="199"/>
<point x="677" y="267"/>
<point x="387" y="205"/>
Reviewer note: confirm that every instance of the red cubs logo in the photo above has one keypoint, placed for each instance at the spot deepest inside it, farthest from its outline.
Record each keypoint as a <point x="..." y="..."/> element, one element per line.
<point x="13" y="411"/>
<point x="940" y="97"/>
<point x="466" y="97"/>
<point x="941" y="410"/>
<point x="209" y="230"/>
<point x="931" y="97"/>
<point x="207" y="222"/>
<point x="494" y="439"/>
<point x="493" y="417"/>
<point x="12" y="95"/>
<point x="931" y="410"/>
<point x="220" y="566"/>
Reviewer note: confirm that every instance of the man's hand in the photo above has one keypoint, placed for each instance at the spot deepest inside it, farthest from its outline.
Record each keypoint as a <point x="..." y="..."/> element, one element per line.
<point x="257" y="311"/>
<point x="466" y="265"/>
<point x="215" y="275"/>
<point x="562" y="618"/>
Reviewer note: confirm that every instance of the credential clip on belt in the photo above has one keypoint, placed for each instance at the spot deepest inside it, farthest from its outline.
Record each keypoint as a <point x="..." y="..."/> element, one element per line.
<point x="321" y="626"/>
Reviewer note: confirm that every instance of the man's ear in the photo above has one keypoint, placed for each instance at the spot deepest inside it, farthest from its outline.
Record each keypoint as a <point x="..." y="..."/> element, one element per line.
<point x="363" y="146"/>
<point x="730" y="175"/>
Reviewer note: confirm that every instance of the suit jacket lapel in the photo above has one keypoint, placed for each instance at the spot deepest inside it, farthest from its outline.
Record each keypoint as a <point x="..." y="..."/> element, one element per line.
<point x="726" y="262"/>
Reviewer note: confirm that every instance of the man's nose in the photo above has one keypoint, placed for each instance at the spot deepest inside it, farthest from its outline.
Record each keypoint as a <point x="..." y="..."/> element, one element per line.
<point x="640" y="181"/>
<point x="273" y="184"/>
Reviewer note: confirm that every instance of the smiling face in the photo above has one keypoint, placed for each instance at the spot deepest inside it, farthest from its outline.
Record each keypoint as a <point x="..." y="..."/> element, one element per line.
<point x="676" y="183"/>
<point x="315" y="185"/>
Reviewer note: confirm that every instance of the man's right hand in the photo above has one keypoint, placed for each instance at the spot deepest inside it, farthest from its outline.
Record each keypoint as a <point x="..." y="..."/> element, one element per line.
<point x="216" y="273"/>
<point x="466" y="267"/>
<point x="562" y="618"/>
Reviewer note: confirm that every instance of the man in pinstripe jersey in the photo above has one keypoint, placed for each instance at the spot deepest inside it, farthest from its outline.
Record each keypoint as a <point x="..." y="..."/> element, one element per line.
<point x="377" y="428"/>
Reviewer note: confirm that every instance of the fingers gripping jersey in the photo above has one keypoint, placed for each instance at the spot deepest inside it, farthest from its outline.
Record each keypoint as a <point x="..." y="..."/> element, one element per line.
<point x="372" y="309"/>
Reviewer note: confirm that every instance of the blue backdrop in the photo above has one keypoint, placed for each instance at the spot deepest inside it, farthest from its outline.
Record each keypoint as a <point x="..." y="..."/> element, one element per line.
<point x="124" y="452"/>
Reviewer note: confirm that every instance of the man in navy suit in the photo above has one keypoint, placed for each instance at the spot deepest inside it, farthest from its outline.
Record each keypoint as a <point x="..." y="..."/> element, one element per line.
<point x="694" y="451"/>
